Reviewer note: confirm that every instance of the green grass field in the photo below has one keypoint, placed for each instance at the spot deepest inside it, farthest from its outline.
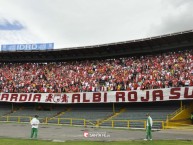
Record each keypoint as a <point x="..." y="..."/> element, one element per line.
<point x="42" y="142"/>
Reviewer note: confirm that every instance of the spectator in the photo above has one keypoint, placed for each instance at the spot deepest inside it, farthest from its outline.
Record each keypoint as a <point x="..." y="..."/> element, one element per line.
<point x="171" y="69"/>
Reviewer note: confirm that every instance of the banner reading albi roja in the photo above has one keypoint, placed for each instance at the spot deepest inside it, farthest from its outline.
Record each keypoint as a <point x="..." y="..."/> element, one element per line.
<point x="182" y="93"/>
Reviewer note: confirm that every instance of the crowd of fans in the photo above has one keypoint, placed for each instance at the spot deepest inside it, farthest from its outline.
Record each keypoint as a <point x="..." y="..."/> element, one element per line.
<point x="164" y="70"/>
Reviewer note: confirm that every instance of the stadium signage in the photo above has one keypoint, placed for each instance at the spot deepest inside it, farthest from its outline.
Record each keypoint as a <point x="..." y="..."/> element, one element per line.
<point x="27" y="47"/>
<point x="183" y="93"/>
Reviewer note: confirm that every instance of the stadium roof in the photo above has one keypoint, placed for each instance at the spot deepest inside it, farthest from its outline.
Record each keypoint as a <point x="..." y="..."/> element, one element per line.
<point x="160" y="43"/>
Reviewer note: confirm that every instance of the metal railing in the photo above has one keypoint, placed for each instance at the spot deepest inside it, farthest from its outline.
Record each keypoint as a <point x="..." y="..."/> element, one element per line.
<point x="84" y="122"/>
<point x="170" y="116"/>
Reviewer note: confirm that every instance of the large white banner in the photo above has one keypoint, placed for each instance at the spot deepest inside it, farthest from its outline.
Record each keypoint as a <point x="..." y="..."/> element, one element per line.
<point x="181" y="93"/>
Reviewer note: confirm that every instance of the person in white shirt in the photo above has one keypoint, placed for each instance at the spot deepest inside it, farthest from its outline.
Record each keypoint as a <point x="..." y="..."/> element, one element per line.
<point x="34" y="126"/>
<point x="149" y="127"/>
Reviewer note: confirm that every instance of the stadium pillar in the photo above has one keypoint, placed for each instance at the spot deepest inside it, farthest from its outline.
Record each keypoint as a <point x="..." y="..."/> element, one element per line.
<point x="19" y="119"/>
<point x="163" y="127"/>
<point x="112" y="123"/>
<point x="181" y="104"/>
<point x="11" y="107"/>
<point x="58" y="120"/>
<point x="145" y="123"/>
<point x="113" y="108"/>
<point x="70" y="121"/>
<point x="128" y="124"/>
<point x="46" y="120"/>
<point x="84" y="122"/>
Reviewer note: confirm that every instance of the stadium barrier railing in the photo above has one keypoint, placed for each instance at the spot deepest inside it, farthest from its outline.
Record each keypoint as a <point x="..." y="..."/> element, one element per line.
<point x="83" y="122"/>
<point x="170" y="116"/>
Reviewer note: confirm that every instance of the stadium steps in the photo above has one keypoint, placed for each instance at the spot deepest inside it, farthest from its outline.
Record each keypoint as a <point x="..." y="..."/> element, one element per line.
<point x="110" y="117"/>
<point x="180" y="117"/>
<point x="12" y="111"/>
<point x="57" y="115"/>
<point x="134" y="116"/>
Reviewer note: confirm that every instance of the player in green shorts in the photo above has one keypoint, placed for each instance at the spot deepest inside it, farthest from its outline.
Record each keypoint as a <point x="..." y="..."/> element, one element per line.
<point x="149" y="127"/>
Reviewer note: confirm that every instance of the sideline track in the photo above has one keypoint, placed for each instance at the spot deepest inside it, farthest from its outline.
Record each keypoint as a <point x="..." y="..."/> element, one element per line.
<point x="66" y="133"/>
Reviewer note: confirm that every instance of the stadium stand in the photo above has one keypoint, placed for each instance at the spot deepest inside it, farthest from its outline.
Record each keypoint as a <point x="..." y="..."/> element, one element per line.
<point x="138" y="65"/>
<point x="5" y="110"/>
<point x="24" y="112"/>
<point x="136" y="113"/>
<point x="98" y="115"/>
<point x="163" y="70"/>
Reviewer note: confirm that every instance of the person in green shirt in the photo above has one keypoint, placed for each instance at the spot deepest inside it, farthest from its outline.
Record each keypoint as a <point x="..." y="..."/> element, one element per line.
<point x="149" y="127"/>
<point x="34" y="126"/>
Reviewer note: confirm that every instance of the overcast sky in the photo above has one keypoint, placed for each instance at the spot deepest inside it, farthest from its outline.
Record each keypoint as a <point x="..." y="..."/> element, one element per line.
<point x="73" y="23"/>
